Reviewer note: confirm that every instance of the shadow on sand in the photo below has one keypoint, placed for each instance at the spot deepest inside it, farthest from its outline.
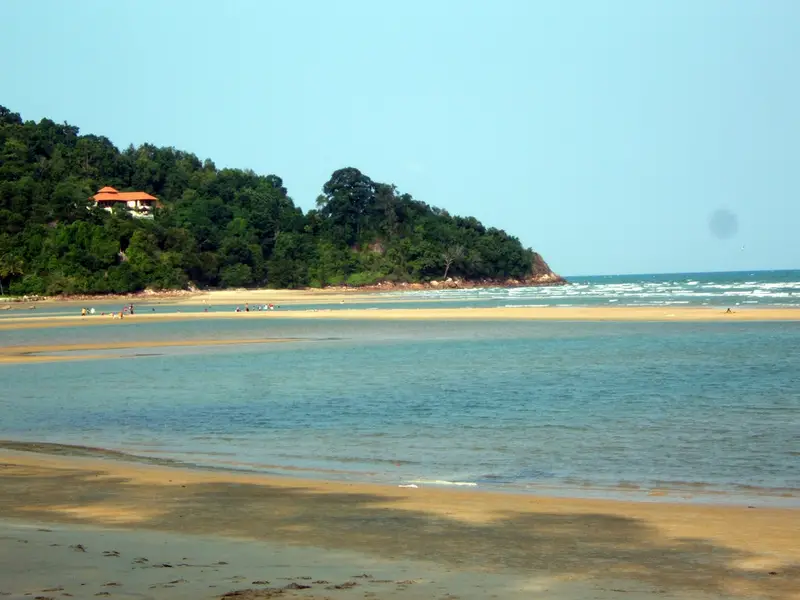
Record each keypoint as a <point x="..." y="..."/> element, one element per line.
<point x="585" y="546"/>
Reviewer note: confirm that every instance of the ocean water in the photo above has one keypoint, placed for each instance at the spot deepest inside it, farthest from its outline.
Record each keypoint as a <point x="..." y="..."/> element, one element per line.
<point x="752" y="289"/>
<point x="509" y="405"/>
<point x="744" y="288"/>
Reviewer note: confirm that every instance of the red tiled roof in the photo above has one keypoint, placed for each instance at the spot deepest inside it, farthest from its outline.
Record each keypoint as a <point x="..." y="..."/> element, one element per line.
<point x="107" y="190"/>
<point x="122" y="196"/>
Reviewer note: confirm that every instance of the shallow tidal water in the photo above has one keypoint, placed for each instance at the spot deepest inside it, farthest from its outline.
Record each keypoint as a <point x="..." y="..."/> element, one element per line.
<point x="512" y="405"/>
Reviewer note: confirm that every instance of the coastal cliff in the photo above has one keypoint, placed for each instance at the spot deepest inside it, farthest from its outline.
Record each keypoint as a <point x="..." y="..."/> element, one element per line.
<point x="80" y="217"/>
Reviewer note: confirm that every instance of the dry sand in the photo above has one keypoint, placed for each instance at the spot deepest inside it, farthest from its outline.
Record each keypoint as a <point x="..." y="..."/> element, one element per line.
<point x="230" y="297"/>
<point x="540" y="547"/>
<point x="440" y="314"/>
<point x="265" y="296"/>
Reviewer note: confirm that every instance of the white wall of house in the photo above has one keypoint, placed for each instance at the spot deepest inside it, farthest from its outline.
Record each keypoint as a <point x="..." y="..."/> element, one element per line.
<point x="137" y="208"/>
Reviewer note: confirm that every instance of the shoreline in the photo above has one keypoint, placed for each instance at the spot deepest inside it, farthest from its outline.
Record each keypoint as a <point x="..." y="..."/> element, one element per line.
<point x="743" y="551"/>
<point x="669" y="492"/>
<point x="546" y="280"/>
<point x="662" y="492"/>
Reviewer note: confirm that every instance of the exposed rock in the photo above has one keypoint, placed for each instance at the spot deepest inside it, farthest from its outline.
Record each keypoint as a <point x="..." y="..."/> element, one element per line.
<point x="296" y="586"/>
<point x="253" y="594"/>
<point x="547" y="278"/>
<point x="540" y="275"/>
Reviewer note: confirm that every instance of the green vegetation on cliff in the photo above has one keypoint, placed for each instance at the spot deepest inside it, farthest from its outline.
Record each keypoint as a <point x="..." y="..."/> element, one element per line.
<point x="216" y="227"/>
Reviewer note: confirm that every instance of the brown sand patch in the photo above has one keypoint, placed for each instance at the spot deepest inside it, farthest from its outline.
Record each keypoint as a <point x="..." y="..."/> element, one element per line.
<point x="41" y="353"/>
<point x="683" y="547"/>
<point x="105" y="514"/>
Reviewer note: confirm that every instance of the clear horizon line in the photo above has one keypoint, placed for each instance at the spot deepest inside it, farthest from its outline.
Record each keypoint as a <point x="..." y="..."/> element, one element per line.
<point x="677" y="273"/>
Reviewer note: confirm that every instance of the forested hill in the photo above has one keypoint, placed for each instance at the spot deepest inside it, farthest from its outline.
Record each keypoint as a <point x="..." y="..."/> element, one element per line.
<point x="218" y="227"/>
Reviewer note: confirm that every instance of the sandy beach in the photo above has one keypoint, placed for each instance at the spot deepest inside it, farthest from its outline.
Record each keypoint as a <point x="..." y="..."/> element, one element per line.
<point x="234" y="296"/>
<point x="29" y="320"/>
<point x="307" y="296"/>
<point x="537" y="546"/>
<point x="88" y="523"/>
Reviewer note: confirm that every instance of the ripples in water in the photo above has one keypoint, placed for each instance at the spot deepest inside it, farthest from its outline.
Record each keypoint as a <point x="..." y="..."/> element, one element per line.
<point x="515" y="404"/>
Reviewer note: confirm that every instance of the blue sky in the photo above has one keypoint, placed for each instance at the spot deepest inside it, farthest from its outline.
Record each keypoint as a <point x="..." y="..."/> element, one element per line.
<point x="606" y="135"/>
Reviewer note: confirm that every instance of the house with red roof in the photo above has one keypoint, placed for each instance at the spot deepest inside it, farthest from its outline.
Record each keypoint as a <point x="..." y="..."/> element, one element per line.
<point x="141" y="204"/>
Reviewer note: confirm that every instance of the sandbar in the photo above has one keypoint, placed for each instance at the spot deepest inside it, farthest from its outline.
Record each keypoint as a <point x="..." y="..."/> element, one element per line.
<point x="652" y="548"/>
<point x="46" y="353"/>
<point x="644" y="314"/>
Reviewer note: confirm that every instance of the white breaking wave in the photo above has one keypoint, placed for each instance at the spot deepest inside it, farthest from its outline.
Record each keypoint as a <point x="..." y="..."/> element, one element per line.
<point x="444" y="482"/>
<point x="638" y="292"/>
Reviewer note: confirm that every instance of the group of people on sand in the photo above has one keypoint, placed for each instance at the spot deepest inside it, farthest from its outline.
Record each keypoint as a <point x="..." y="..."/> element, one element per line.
<point x="269" y="306"/>
<point x="126" y="310"/>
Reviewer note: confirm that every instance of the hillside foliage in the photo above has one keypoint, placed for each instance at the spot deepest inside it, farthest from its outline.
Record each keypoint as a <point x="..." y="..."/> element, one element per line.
<point x="217" y="228"/>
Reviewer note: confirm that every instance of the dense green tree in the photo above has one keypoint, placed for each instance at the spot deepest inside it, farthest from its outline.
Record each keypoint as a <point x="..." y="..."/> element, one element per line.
<point x="216" y="227"/>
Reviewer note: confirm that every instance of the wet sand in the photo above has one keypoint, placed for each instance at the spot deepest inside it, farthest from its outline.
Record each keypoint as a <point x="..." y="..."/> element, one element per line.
<point x="520" y="546"/>
<point x="49" y="353"/>
<point x="440" y="314"/>
<point x="47" y="560"/>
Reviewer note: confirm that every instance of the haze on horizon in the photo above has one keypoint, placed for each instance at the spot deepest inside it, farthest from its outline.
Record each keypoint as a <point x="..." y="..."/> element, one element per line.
<point x="612" y="137"/>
